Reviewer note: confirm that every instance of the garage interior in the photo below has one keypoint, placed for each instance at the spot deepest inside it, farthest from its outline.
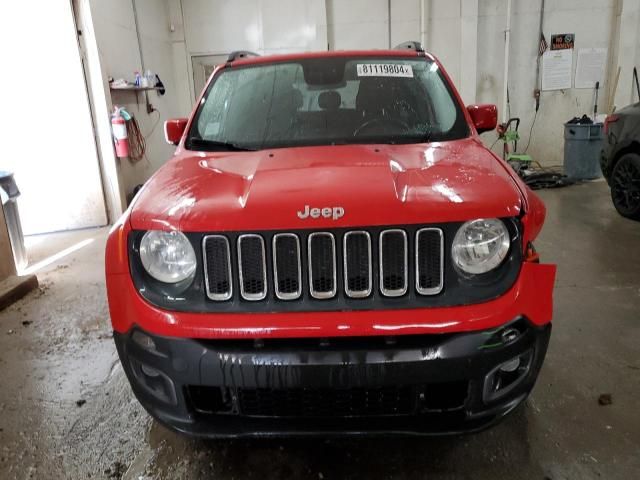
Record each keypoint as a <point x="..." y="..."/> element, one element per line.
<point x="66" y="409"/>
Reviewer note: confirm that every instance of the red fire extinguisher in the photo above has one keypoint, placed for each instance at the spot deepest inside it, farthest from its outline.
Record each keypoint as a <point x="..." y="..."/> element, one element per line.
<point x="119" y="128"/>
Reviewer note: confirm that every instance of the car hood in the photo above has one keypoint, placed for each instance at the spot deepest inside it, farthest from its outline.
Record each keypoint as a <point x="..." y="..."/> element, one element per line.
<point x="372" y="184"/>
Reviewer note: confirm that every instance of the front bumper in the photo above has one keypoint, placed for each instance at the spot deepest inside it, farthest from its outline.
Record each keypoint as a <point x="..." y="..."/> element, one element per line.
<point x="408" y="384"/>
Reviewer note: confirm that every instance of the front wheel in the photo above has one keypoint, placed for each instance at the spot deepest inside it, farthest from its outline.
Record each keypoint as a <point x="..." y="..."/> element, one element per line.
<point x="625" y="186"/>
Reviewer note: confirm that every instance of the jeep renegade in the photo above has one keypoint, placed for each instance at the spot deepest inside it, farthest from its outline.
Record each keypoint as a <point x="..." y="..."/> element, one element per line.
<point x="332" y="249"/>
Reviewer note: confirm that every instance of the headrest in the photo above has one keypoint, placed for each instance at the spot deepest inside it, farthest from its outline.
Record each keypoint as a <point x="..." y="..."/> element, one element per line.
<point x="296" y="98"/>
<point x="330" y="100"/>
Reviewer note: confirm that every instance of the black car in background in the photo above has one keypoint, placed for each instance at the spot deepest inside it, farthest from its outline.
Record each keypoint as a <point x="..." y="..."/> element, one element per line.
<point x="620" y="159"/>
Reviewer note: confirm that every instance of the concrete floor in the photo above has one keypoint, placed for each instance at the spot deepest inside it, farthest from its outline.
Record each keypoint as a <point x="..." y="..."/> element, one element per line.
<point x="66" y="410"/>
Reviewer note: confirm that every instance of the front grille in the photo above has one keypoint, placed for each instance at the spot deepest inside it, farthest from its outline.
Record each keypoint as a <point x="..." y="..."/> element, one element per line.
<point x="217" y="267"/>
<point x="286" y="266"/>
<point x="429" y="261"/>
<point x="322" y="265"/>
<point x="357" y="264"/>
<point x="320" y="402"/>
<point x="253" y="267"/>
<point x="373" y="401"/>
<point x="393" y="263"/>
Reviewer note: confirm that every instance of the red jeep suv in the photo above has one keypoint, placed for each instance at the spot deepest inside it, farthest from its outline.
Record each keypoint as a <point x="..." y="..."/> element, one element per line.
<point x="330" y="250"/>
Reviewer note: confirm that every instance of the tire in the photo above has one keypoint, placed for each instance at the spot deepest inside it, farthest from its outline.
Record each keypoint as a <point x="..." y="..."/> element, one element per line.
<point x="625" y="186"/>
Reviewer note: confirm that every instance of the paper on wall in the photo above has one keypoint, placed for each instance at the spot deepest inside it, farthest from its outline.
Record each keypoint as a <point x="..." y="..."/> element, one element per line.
<point x="556" y="69"/>
<point x="590" y="67"/>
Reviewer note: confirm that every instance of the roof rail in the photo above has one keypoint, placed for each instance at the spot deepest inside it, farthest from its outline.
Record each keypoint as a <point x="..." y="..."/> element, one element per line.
<point x="240" y="54"/>
<point x="411" y="45"/>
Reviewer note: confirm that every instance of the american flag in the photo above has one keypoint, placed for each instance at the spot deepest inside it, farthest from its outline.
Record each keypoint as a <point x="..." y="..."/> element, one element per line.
<point x="543" y="45"/>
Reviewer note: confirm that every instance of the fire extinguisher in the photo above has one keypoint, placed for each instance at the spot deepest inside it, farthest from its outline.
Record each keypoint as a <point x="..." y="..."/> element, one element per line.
<point x="119" y="128"/>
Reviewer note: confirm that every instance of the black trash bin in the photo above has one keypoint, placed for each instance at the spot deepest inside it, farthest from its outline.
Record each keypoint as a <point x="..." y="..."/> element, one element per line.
<point x="9" y="194"/>
<point x="582" y="145"/>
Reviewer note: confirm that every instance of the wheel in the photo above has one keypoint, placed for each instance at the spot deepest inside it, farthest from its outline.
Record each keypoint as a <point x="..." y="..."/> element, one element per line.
<point x="625" y="186"/>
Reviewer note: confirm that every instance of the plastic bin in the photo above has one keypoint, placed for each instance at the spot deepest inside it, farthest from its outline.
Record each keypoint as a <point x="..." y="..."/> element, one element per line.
<point x="9" y="194"/>
<point x="582" y="146"/>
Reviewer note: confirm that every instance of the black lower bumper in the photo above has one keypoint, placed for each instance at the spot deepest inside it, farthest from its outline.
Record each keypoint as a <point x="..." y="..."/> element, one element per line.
<point x="428" y="384"/>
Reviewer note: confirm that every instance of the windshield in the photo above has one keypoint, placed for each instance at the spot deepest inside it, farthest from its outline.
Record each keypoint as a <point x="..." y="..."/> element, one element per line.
<point x="327" y="101"/>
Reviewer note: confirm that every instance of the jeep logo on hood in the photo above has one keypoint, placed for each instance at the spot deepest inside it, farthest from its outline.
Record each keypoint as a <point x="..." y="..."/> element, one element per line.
<point x="326" y="212"/>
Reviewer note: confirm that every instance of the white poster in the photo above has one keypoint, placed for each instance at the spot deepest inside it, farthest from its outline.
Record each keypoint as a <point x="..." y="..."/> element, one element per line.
<point x="590" y="67"/>
<point x="556" y="69"/>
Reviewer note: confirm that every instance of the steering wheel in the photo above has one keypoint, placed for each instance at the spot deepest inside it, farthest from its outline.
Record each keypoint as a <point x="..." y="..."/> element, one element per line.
<point x="380" y="120"/>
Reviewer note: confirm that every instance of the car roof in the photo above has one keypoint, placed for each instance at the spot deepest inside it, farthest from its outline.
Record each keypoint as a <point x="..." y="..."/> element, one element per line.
<point x="402" y="53"/>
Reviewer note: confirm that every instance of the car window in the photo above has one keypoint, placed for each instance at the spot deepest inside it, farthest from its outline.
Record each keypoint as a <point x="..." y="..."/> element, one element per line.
<point x="331" y="100"/>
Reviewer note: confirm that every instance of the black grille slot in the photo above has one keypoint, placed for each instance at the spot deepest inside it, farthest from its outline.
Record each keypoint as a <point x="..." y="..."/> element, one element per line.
<point x="320" y="402"/>
<point x="253" y="274"/>
<point x="393" y="263"/>
<point x="287" y="270"/>
<point x="217" y="263"/>
<point x="429" y="267"/>
<point x="322" y="265"/>
<point x="357" y="264"/>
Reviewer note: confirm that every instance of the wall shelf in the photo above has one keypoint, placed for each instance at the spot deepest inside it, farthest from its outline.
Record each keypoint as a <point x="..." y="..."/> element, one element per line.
<point x="132" y="88"/>
<point x="136" y="90"/>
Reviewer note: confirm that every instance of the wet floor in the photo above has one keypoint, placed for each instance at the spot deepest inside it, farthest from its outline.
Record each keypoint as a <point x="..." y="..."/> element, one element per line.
<point x="66" y="410"/>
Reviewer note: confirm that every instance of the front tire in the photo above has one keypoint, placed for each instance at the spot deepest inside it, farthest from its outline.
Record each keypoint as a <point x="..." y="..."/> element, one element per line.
<point x="625" y="186"/>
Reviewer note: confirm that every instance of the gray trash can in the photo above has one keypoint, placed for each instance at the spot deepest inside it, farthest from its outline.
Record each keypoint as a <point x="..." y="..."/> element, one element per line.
<point x="582" y="145"/>
<point x="9" y="194"/>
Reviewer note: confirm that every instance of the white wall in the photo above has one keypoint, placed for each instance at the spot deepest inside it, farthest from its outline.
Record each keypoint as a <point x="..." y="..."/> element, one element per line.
<point x="120" y="57"/>
<point x="628" y="54"/>
<point x="590" y="20"/>
<point x="213" y="27"/>
<point x="263" y="26"/>
<point x="357" y="24"/>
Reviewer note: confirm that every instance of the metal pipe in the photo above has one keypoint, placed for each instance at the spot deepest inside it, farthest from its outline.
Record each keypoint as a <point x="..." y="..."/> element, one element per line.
<point x="135" y="21"/>
<point x="538" y="82"/>
<point x="389" y="21"/>
<point x="423" y="23"/>
<point x="505" y="86"/>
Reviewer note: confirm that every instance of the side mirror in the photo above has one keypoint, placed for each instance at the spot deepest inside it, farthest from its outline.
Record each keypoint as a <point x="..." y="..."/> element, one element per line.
<point x="485" y="117"/>
<point x="173" y="130"/>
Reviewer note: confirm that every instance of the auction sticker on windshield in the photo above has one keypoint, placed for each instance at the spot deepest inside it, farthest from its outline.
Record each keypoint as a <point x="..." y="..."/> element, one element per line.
<point x="384" y="70"/>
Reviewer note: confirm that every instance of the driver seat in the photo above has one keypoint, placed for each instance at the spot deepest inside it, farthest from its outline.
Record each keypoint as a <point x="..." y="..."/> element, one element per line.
<point x="374" y="98"/>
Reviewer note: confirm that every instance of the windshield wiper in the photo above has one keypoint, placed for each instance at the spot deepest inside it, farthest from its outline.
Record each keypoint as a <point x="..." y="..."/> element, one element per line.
<point x="214" y="146"/>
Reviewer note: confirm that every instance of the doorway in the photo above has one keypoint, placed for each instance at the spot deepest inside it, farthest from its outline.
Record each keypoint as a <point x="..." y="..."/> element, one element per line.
<point x="203" y="66"/>
<point x="52" y="150"/>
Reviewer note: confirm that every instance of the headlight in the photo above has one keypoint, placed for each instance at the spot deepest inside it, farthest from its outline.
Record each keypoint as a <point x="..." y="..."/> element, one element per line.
<point x="167" y="256"/>
<point x="480" y="245"/>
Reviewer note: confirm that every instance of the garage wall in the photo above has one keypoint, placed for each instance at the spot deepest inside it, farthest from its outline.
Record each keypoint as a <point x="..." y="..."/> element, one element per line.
<point x="628" y="54"/>
<point x="590" y="20"/>
<point x="213" y="27"/>
<point x="466" y="35"/>
<point x="120" y="57"/>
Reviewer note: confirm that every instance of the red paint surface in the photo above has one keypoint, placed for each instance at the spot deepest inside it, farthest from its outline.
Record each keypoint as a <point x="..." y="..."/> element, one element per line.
<point x="174" y="129"/>
<point x="530" y="296"/>
<point x="375" y="184"/>
<point x="484" y="117"/>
